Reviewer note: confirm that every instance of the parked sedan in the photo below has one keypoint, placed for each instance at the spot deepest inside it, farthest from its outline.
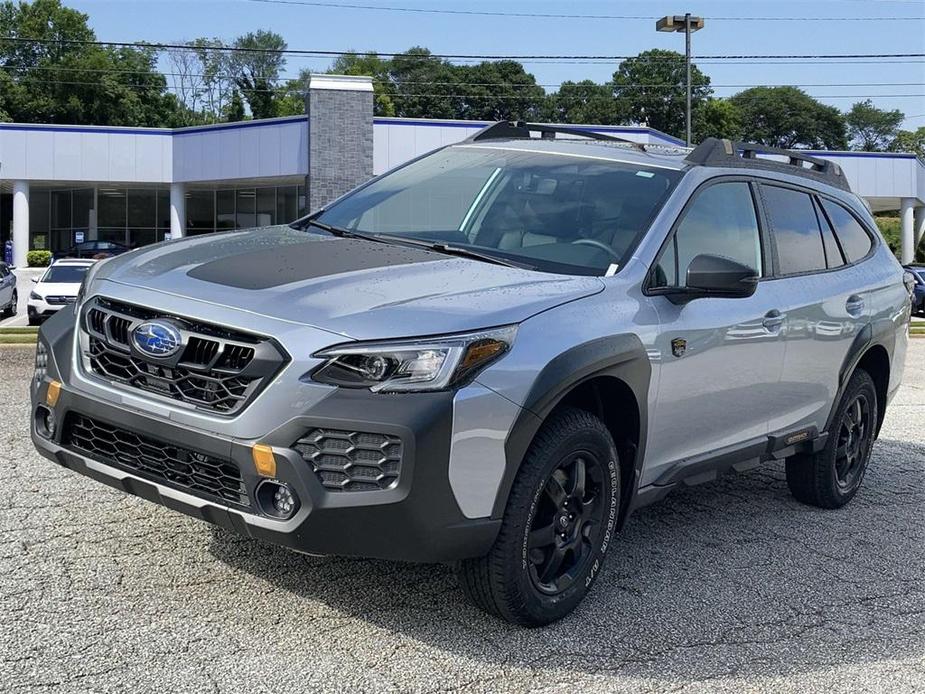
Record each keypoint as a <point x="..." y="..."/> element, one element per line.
<point x="8" y="296"/>
<point x="93" y="249"/>
<point x="57" y="288"/>
<point x="918" y="299"/>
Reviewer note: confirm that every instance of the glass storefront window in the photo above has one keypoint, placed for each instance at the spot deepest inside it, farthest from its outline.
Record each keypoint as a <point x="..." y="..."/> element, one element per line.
<point x="200" y="211"/>
<point x="163" y="209"/>
<point x="116" y="235"/>
<point x="266" y="206"/>
<point x="141" y="237"/>
<point x="111" y="203"/>
<point x="246" y="210"/>
<point x="224" y="209"/>
<point x="82" y="205"/>
<point x="61" y="209"/>
<point x="287" y="204"/>
<point x="142" y="208"/>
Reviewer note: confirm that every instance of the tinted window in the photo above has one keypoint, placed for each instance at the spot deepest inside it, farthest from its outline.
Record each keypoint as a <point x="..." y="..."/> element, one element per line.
<point x="854" y="240"/>
<point x="3" y="271"/>
<point x="833" y="254"/>
<point x="65" y="274"/>
<point x="720" y="221"/>
<point x="796" y="230"/>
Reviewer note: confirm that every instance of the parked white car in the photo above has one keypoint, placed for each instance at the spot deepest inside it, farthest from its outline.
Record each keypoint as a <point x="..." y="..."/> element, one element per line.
<point x="57" y="288"/>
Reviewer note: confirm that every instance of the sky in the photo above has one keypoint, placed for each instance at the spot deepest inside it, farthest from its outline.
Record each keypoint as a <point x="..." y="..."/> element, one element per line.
<point x="810" y="27"/>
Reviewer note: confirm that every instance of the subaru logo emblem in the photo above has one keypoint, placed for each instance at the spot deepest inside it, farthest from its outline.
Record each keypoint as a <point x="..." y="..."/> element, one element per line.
<point x="156" y="339"/>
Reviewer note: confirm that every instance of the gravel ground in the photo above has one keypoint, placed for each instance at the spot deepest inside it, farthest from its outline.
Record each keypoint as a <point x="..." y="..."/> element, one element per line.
<point x="731" y="586"/>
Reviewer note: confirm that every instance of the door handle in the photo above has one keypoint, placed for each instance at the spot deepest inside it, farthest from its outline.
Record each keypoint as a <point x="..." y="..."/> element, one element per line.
<point x="773" y="320"/>
<point x="855" y="305"/>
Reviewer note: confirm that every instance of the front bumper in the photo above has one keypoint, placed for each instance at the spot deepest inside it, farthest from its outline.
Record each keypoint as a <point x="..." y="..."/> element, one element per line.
<point x="418" y="519"/>
<point x="42" y="309"/>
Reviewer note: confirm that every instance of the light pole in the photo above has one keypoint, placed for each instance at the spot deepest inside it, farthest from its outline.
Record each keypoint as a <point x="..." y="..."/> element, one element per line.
<point x="688" y="25"/>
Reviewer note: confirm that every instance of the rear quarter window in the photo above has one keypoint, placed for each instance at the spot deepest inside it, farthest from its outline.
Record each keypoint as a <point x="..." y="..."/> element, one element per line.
<point x="795" y="229"/>
<point x="855" y="241"/>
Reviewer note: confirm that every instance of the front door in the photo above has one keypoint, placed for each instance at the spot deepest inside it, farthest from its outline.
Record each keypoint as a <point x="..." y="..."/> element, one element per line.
<point x="718" y="360"/>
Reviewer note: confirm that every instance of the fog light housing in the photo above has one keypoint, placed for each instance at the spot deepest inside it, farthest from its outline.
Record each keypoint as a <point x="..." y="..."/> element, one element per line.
<point x="46" y="424"/>
<point x="277" y="500"/>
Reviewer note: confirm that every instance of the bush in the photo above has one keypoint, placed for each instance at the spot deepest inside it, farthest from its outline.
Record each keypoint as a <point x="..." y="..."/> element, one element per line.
<point x="38" y="258"/>
<point x="891" y="228"/>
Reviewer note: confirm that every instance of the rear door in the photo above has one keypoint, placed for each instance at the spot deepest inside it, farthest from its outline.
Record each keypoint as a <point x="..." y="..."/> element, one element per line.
<point x="7" y="284"/>
<point x="824" y="297"/>
<point x="719" y="359"/>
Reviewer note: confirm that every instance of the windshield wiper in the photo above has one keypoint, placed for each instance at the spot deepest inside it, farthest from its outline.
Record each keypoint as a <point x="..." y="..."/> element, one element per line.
<point x="463" y="252"/>
<point x="343" y="233"/>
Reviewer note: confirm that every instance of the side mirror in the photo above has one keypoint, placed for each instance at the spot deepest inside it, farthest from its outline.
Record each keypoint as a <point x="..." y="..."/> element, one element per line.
<point x="35" y="280"/>
<point x="713" y="275"/>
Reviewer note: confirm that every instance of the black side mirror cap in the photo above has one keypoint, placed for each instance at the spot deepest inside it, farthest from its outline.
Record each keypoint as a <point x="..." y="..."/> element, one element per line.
<point x="716" y="276"/>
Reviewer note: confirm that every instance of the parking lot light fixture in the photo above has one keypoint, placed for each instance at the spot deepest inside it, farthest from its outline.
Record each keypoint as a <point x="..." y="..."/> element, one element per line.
<point x="687" y="24"/>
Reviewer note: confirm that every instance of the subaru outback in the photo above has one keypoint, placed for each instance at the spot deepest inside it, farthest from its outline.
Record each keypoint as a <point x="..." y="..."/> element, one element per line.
<point x="490" y="356"/>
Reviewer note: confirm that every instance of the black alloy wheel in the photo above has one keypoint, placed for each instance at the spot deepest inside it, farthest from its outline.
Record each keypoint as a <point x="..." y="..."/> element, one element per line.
<point x="567" y="523"/>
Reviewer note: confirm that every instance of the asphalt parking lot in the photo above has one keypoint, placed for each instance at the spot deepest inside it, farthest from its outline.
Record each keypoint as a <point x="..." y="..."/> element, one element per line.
<point x="731" y="586"/>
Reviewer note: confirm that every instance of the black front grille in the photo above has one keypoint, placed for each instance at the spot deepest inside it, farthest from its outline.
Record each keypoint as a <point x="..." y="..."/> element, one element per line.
<point x="352" y="461"/>
<point x="159" y="461"/>
<point x="216" y="369"/>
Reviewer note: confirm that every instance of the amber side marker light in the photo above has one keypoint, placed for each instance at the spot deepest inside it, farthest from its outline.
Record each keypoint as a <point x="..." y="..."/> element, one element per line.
<point x="53" y="393"/>
<point x="264" y="460"/>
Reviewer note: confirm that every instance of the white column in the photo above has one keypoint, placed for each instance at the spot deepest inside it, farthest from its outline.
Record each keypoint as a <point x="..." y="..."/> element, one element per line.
<point x="177" y="210"/>
<point x="908" y="242"/>
<point x="919" y="219"/>
<point x="20" y="222"/>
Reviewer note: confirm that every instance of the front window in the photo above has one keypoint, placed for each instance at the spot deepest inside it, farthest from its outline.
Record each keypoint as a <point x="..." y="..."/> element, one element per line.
<point x="65" y="274"/>
<point x="554" y="212"/>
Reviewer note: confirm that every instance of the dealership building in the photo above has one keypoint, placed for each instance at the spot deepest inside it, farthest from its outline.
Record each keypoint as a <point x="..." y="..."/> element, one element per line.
<point x="60" y="184"/>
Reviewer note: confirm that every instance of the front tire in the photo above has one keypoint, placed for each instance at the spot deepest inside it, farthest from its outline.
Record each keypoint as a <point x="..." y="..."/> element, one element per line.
<point x="831" y="477"/>
<point x="559" y="522"/>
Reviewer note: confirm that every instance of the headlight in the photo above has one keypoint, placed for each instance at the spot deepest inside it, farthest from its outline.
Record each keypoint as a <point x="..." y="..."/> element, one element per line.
<point x="413" y="365"/>
<point x="35" y="296"/>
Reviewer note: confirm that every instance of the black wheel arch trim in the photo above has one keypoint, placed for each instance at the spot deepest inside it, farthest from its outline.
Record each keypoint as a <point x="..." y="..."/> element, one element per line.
<point x="622" y="357"/>
<point x="879" y="332"/>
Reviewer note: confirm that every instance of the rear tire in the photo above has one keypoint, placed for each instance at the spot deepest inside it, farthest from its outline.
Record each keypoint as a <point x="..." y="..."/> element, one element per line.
<point x="831" y="477"/>
<point x="559" y="522"/>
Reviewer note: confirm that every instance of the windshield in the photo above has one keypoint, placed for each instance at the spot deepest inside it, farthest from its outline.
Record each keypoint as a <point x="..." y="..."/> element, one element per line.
<point x="65" y="274"/>
<point x="556" y="212"/>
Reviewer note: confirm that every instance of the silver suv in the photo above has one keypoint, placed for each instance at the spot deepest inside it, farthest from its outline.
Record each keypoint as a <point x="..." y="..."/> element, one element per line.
<point x="490" y="356"/>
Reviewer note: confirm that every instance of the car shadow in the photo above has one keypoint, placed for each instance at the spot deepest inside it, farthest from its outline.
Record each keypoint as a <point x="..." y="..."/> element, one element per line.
<point x="731" y="578"/>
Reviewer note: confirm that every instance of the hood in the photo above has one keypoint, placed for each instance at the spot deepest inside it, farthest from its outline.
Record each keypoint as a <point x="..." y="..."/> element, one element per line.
<point x="357" y="288"/>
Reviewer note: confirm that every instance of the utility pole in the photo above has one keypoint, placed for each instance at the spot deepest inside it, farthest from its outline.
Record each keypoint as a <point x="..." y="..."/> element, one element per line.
<point x="688" y="25"/>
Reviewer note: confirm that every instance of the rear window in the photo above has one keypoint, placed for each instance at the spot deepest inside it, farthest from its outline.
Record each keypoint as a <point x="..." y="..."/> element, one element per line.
<point x="854" y="241"/>
<point x="796" y="230"/>
<point x="65" y="274"/>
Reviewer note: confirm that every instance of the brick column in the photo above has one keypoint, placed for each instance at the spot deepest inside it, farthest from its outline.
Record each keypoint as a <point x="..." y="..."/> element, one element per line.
<point x="340" y="136"/>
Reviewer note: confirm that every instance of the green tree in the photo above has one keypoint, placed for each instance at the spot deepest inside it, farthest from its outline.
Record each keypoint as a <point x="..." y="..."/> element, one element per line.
<point x="872" y="129"/>
<point x="716" y="118"/>
<point x="910" y="141"/>
<point x="234" y="110"/>
<point x="370" y="64"/>
<point x="256" y="67"/>
<point x="57" y="79"/>
<point x="583" y="102"/>
<point x="425" y="86"/>
<point x="651" y="88"/>
<point x="498" y="90"/>
<point x="789" y="117"/>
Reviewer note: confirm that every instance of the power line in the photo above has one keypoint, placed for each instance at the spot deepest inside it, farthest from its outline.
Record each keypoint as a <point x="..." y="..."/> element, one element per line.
<point x="450" y="56"/>
<point x="227" y="76"/>
<point x="551" y="15"/>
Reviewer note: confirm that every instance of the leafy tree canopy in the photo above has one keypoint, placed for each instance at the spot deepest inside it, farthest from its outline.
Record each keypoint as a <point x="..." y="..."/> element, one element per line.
<point x="789" y="117"/>
<point x="870" y="128"/>
<point x="717" y="118"/>
<point x="584" y="102"/>
<point x="652" y="89"/>
<point x="910" y="141"/>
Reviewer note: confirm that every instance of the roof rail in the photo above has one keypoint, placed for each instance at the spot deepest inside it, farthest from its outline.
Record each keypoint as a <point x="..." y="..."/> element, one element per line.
<point x="520" y="130"/>
<point x="716" y="152"/>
